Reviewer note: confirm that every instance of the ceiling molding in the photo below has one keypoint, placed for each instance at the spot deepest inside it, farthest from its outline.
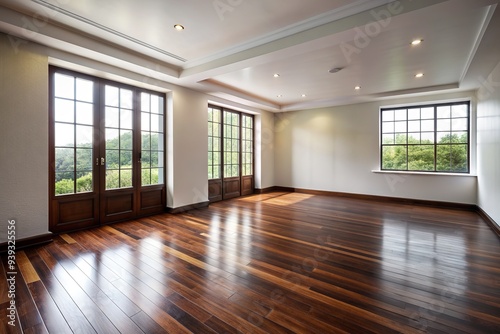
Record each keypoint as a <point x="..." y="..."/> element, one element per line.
<point x="290" y="40"/>
<point x="484" y="26"/>
<point x="108" y="30"/>
<point x="418" y="90"/>
<point x="70" y="41"/>
<point x="311" y="23"/>
<point x="217" y="86"/>
<point x="325" y="103"/>
<point x="239" y="70"/>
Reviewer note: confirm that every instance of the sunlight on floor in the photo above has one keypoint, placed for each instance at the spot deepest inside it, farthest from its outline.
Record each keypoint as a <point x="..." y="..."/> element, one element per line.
<point x="288" y="199"/>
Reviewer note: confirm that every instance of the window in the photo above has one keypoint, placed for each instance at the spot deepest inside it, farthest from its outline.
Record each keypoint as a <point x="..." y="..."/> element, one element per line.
<point x="74" y="138"/>
<point x="152" y="169"/>
<point x="106" y="151"/>
<point x="247" y="145"/>
<point x="428" y="138"/>
<point x="230" y="153"/>
<point x="214" y="142"/>
<point x="231" y="144"/>
<point x="118" y="136"/>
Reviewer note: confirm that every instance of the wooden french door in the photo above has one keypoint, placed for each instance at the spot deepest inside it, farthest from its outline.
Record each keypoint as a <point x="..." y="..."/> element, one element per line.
<point x="107" y="151"/>
<point x="230" y="154"/>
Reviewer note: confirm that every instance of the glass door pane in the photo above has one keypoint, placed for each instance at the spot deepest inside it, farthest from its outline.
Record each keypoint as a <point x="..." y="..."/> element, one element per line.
<point x="247" y="145"/>
<point x="152" y="139"/>
<point x="214" y="140"/>
<point x="73" y="134"/>
<point x="231" y="144"/>
<point x="118" y="119"/>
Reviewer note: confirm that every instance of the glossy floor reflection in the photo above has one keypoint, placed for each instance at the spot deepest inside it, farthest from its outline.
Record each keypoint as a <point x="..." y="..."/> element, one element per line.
<point x="273" y="263"/>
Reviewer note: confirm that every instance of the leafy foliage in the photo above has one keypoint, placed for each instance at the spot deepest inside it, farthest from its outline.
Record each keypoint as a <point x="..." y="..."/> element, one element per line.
<point x="118" y="164"/>
<point x="448" y="155"/>
<point x="64" y="187"/>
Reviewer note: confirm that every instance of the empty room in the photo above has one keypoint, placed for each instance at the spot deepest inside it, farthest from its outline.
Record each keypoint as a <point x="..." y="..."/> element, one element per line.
<point x="249" y="166"/>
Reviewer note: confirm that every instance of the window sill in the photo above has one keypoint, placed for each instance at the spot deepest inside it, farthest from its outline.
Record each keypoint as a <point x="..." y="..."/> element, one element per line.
<point x="422" y="173"/>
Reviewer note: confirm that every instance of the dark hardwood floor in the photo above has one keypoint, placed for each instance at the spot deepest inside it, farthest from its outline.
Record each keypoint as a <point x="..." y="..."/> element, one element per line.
<point x="271" y="263"/>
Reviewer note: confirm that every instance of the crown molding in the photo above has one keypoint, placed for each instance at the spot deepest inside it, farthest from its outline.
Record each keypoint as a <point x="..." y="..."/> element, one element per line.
<point x="484" y="26"/>
<point x="311" y="23"/>
<point x="108" y="30"/>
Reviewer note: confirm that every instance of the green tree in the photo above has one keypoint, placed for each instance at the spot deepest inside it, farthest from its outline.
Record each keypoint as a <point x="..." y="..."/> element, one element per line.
<point x="421" y="157"/>
<point x="451" y="154"/>
<point x="394" y="157"/>
<point x="84" y="183"/>
<point x="65" y="186"/>
<point x="118" y="163"/>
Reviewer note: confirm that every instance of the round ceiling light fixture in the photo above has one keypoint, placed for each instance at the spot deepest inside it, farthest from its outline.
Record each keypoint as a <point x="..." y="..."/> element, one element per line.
<point x="178" y="27"/>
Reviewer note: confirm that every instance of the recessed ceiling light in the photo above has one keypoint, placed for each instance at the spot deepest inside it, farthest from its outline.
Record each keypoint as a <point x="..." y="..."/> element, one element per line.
<point x="279" y="95"/>
<point x="417" y="41"/>
<point x="179" y="27"/>
<point x="335" y="70"/>
<point x="304" y="95"/>
<point x="419" y="75"/>
<point x="276" y="75"/>
<point x="357" y="87"/>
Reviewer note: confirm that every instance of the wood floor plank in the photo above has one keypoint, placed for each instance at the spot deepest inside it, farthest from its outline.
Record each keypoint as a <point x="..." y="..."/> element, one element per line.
<point x="4" y="287"/>
<point x="149" y="307"/>
<point x="66" y="305"/>
<point x="52" y="317"/>
<point x="270" y="263"/>
<point x="190" y="307"/>
<point x="68" y="239"/>
<point x="10" y="321"/>
<point x="26" y="269"/>
<point x="147" y="324"/>
<point x="27" y="312"/>
<point x="118" y="318"/>
<point x="107" y="287"/>
<point x="87" y="306"/>
<point x="6" y="326"/>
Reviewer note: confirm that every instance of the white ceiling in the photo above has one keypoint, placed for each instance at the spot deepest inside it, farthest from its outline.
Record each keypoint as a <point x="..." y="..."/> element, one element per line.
<point x="231" y="48"/>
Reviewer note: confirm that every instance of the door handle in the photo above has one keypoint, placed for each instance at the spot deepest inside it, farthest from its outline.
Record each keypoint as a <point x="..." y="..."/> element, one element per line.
<point x="102" y="161"/>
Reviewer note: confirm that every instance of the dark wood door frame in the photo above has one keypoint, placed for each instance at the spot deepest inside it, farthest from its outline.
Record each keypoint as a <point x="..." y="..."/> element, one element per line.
<point x="101" y="206"/>
<point x="232" y="187"/>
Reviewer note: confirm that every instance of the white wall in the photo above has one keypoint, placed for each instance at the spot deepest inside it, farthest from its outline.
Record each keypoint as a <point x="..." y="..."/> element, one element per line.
<point x="264" y="150"/>
<point x="336" y="149"/>
<point x="488" y="140"/>
<point x="187" y="145"/>
<point x="23" y="139"/>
